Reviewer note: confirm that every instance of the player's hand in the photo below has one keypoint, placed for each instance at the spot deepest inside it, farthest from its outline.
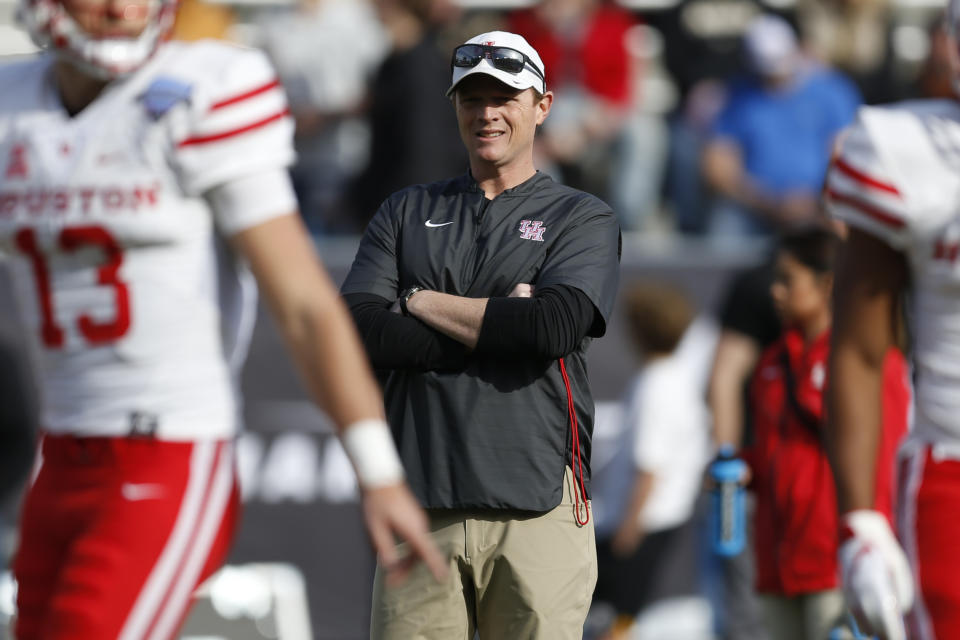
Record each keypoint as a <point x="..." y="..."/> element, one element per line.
<point x="392" y="512"/>
<point x="522" y="290"/>
<point x="877" y="581"/>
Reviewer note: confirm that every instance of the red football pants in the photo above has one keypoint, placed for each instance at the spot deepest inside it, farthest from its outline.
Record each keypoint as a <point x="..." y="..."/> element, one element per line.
<point x="929" y="524"/>
<point x="116" y="533"/>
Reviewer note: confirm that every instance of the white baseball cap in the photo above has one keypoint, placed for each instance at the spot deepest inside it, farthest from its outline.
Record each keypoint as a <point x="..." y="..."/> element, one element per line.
<point x="771" y="46"/>
<point x="532" y="74"/>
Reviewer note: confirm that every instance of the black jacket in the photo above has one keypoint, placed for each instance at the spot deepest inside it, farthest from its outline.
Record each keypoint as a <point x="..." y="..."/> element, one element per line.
<point x="490" y="431"/>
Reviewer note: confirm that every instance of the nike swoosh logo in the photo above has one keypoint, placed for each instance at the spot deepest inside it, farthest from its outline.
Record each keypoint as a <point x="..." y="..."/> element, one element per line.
<point x="134" y="492"/>
<point x="441" y="224"/>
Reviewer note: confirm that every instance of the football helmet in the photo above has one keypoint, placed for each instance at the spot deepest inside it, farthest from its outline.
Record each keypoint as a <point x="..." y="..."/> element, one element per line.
<point x="51" y="27"/>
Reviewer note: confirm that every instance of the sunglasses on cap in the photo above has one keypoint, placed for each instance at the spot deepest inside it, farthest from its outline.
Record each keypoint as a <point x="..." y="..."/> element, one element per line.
<point x="502" y="58"/>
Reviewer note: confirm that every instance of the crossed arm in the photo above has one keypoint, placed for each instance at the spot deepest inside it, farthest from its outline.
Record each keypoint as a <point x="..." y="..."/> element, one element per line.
<point x="454" y="316"/>
<point x="445" y="329"/>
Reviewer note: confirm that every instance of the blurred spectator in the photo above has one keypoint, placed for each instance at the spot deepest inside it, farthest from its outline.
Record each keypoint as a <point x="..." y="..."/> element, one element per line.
<point x="748" y="325"/>
<point x="771" y="143"/>
<point x="936" y="78"/>
<point x="325" y="52"/>
<point x="702" y="50"/>
<point x="647" y="539"/>
<point x="636" y="179"/>
<point x="414" y="137"/>
<point x="594" y="137"/>
<point x="689" y="130"/>
<point x="703" y="39"/>
<point x="852" y="36"/>
<point x="197" y="20"/>
<point x="796" y="518"/>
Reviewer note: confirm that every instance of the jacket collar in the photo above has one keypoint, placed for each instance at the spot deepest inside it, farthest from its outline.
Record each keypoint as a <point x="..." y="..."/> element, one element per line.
<point x="531" y="184"/>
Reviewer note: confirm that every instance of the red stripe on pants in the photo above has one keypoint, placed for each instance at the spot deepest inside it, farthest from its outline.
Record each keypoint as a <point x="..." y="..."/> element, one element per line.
<point x="95" y="524"/>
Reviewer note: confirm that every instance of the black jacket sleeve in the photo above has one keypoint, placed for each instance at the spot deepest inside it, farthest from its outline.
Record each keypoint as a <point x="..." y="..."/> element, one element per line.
<point x="550" y="325"/>
<point x="394" y="341"/>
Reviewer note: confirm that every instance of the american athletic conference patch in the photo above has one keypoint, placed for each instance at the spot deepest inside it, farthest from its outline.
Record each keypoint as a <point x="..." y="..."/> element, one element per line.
<point x="163" y="94"/>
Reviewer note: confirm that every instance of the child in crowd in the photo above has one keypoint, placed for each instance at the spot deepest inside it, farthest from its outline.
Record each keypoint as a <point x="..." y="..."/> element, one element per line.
<point x="648" y="551"/>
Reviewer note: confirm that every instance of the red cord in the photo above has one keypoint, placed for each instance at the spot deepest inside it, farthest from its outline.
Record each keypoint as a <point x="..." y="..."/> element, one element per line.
<point x="575" y="457"/>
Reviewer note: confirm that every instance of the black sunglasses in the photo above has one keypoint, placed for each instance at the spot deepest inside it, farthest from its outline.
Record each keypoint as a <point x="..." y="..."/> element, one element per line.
<point x="502" y="58"/>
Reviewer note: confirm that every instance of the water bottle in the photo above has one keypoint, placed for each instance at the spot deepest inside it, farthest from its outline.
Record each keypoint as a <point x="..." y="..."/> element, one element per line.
<point x="849" y="630"/>
<point x="728" y="526"/>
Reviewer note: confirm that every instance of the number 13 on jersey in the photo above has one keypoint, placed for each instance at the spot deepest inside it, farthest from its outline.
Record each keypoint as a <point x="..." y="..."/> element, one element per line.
<point x="70" y="239"/>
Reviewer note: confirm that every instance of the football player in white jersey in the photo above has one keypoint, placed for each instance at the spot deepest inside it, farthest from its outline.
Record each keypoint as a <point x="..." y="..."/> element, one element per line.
<point x="141" y="182"/>
<point x="896" y="182"/>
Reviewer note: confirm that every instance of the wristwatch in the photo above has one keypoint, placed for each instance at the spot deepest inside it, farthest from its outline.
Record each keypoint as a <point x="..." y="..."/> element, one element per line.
<point x="405" y="296"/>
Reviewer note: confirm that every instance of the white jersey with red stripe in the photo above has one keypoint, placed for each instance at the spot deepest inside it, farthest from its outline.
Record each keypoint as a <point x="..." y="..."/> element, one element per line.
<point x="138" y="313"/>
<point x="897" y="177"/>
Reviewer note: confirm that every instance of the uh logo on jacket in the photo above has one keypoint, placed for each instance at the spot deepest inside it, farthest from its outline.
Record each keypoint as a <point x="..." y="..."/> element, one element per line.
<point x="532" y="230"/>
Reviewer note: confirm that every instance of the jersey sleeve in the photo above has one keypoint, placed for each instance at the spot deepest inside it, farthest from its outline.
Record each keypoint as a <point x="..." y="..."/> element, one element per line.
<point x="861" y="190"/>
<point x="374" y="269"/>
<point x="239" y="123"/>
<point x="587" y="256"/>
<point x="247" y="201"/>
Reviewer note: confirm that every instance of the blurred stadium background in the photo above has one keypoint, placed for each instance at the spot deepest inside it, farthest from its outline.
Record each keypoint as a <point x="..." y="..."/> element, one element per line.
<point x="301" y="566"/>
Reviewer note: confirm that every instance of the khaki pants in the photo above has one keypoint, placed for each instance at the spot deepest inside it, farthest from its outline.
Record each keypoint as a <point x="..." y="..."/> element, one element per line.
<point x="513" y="576"/>
<point x="810" y="616"/>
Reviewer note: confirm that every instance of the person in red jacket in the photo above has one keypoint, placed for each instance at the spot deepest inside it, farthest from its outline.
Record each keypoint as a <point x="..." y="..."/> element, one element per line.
<point x="796" y="516"/>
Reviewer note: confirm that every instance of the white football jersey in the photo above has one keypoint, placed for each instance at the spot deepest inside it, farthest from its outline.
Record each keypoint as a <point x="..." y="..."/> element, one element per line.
<point x="138" y="312"/>
<point x="897" y="177"/>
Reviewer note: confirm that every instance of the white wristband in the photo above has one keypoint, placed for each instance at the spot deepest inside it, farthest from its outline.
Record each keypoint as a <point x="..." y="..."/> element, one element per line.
<point x="369" y="445"/>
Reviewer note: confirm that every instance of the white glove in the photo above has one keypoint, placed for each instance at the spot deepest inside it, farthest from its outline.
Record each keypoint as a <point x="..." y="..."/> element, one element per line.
<point x="877" y="581"/>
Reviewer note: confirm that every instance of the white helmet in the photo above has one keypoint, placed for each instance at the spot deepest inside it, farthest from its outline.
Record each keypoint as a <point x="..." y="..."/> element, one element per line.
<point x="51" y="27"/>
